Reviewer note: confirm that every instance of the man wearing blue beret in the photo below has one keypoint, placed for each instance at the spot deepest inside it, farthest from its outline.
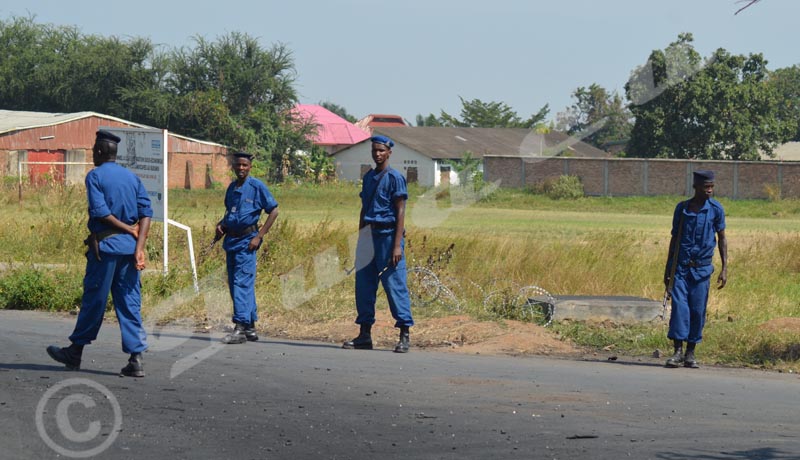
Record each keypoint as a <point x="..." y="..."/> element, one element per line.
<point x="245" y="199"/>
<point x="380" y="251"/>
<point x="696" y="225"/>
<point x="119" y="221"/>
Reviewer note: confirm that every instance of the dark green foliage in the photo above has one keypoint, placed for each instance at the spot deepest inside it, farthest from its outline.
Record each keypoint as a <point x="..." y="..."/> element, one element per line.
<point x="468" y="169"/>
<point x="57" y="69"/>
<point x="786" y="83"/>
<point x="338" y="110"/>
<point x="231" y="91"/>
<point x="597" y="116"/>
<point x="720" y="109"/>
<point x="34" y="289"/>
<point x="479" y="114"/>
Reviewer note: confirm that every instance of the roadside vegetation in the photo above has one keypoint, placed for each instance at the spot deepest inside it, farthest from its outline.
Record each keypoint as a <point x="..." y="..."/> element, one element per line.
<point x="475" y="245"/>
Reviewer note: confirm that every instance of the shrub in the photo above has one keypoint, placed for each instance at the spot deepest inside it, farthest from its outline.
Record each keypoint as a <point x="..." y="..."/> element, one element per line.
<point x="31" y="289"/>
<point x="773" y="192"/>
<point x="565" y="187"/>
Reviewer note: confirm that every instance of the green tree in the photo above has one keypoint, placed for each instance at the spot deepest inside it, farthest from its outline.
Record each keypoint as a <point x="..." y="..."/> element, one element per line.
<point x="430" y="120"/>
<point x="235" y="92"/>
<point x="338" y="110"/>
<point x="684" y="109"/>
<point x="57" y="69"/>
<point x="230" y="90"/>
<point x="786" y="84"/>
<point x="479" y="114"/>
<point x="595" y="107"/>
<point x="467" y="168"/>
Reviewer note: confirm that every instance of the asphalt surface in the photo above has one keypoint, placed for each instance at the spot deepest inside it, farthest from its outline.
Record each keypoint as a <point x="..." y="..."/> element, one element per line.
<point x="277" y="399"/>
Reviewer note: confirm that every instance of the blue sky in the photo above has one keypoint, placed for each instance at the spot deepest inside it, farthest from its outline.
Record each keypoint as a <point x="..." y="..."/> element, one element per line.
<point x="414" y="57"/>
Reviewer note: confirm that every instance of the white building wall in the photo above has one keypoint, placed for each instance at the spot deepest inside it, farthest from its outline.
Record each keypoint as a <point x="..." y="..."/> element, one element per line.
<point x="349" y="163"/>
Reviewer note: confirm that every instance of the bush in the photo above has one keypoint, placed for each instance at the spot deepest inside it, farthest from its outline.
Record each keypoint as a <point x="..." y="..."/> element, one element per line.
<point x="33" y="289"/>
<point x="565" y="187"/>
<point x="773" y="192"/>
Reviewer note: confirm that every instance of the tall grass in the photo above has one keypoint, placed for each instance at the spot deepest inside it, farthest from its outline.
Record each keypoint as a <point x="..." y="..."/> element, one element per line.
<point x="589" y="246"/>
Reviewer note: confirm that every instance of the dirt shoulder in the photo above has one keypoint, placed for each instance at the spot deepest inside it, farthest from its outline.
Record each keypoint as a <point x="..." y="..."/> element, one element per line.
<point x="459" y="333"/>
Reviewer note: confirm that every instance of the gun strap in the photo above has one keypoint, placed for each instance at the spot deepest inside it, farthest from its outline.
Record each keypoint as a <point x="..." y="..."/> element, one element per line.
<point x="675" y="250"/>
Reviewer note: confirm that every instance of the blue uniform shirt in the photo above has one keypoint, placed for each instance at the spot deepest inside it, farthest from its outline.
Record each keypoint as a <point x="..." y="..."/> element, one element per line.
<point x="378" y="194"/>
<point x="698" y="237"/>
<point x="113" y="190"/>
<point x="243" y="205"/>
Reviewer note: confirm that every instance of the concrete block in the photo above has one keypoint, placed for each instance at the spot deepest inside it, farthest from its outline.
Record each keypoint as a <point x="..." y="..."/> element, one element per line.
<point x="618" y="309"/>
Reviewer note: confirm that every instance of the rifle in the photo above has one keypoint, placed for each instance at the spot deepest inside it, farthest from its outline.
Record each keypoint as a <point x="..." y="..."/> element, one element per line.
<point x="208" y="248"/>
<point x="675" y="250"/>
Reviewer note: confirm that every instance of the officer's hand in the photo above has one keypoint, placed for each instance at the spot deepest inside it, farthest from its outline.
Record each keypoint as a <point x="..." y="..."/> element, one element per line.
<point x="141" y="259"/>
<point x="397" y="256"/>
<point x="722" y="280"/>
<point x="254" y="243"/>
<point x="134" y="230"/>
<point x="220" y="230"/>
<point x="666" y="281"/>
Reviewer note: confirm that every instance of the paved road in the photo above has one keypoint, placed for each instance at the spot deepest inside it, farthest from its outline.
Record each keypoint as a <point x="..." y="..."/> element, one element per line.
<point x="277" y="399"/>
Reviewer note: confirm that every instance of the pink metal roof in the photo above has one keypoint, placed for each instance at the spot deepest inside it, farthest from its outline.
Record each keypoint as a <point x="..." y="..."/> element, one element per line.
<point x="333" y="129"/>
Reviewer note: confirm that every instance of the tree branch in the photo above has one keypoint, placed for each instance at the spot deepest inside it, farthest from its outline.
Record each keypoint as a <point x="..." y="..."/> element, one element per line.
<point x="749" y="4"/>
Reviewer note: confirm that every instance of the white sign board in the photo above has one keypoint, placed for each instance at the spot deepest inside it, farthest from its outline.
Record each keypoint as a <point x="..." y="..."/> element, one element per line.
<point x="144" y="152"/>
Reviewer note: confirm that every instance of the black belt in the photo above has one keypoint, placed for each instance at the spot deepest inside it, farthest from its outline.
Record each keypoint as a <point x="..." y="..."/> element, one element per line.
<point x="383" y="225"/>
<point x="243" y="232"/>
<point x="697" y="263"/>
<point x="106" y="233"/>
<point x="94" y="239"/>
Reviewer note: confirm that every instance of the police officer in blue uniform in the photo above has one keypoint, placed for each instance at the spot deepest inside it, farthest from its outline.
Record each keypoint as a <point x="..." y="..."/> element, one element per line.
<point x="245" y="199"/>
<point x="380" y="250"/>
<point x="697" y="224"/>
<point x="119" y="221"/>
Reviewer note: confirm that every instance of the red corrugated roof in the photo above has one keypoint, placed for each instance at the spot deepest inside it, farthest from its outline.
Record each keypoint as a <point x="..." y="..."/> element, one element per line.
<point x="377" y="120"/>
<point x="332" y="129"/>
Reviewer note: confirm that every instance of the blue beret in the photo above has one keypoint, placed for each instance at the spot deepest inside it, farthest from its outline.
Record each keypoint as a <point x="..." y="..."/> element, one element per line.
<point x="382" y="140"/>
<point x="703" y="176"/>
<point x="103" y="135"/>
<point x="249" y="156"/>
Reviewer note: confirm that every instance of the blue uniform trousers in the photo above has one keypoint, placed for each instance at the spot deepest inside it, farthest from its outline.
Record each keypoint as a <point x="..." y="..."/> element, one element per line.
<point x="393" y="279"/>
<point x="241" y="264"/>
<point x="118" y="275"/>
<point x="689" y="299"/>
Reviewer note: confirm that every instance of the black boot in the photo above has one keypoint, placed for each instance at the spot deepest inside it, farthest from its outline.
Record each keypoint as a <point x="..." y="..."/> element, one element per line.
<point x="689" y="360"/>
<point x="237" y="336"/>
<point x="363" y="341"/>
<point x="135" y="367"/>
<point x="405" y="341"/>
<point x="69" y="356"/>
<point x="250" y="332"/>
<point x="676" y="360"/>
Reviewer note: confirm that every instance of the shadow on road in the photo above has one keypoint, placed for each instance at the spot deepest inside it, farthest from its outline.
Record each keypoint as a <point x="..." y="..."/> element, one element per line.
<point x="631" y="363"/>
<point x="50" y="368"/>
<point x="262" y="340"/>
<point x="766" y="453"/>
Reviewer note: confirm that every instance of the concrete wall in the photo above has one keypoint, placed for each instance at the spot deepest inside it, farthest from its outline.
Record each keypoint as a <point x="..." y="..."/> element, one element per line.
<point x="635" y="176"/>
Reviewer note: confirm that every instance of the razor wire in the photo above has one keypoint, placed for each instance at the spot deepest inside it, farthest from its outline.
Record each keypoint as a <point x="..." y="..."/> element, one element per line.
<point x="427" y="290"/>
<point x="527" y="303"/>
